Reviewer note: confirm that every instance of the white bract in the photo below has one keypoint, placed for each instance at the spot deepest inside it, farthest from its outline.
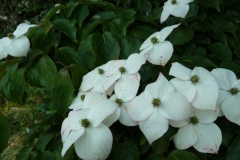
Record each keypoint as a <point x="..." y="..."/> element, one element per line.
<point x="125" y="91"/>
<point x="154" y="49"/>
<point x="177" y="8"/>
<point x="16" y="44"/>
<point x="155" y="106"/>
<point x="198" y="86"/>
<point x="91" y="138"/>
<point x="96" y="77"/>
<point x="198" y="131"/>
<point x="229" y="94"/>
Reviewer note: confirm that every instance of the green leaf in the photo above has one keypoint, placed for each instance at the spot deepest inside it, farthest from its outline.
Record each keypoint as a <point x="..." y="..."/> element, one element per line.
<point x="43" y="39"/>
<point x="126" y="150"/>
<point x="90" y="27"/>
<point x="226" y="26"/>
<point x="182" y="155"/>
<point x="53" y="11"/>
<point x="106" y="46"/>
<point x="77" y="72"/>
<point x="87" y="53"/>
<point x="200" y="51"/>
<point x="129" y="44"/>
<point x="62" y="90"/>
<point x="202" y="26"/>
<point x="48" y="155"/>
<point x="197" y="61"/>
<point x="201" y="38"/>
<point x="72" y="4"/>
<point x="156" y="157"/>
<point x="231" y="65"/>
<point x="226" y="131"/>
<point x="106" y="15"/>
<point x="181" y="36"/>
<point x="160" y="145"/>
<point x="24" y="153"/>
<point x="145" y="7"/>
<point x="43" y="142"/>
<point x="237" y="50"/>
<point x="187" y="48"/>
<point x="18" y="85"/>
<point x="4" y="132"/>
<point x="233" y="150"/>
<point x="81" y="14"/>
<point x="212" y="4"/>
<point x="31" y="76"/>
<point x="47" y="71"/>
<point x="221" y="51"/>
<point x="143" y="32"/>
<point x="193" y="10"/>
<point x="68" y="56"/>
<point x="113" y="27"/>
<point x="219" y="35"/>
<point x="67" y="27"/>
<point x="126" y="13"/>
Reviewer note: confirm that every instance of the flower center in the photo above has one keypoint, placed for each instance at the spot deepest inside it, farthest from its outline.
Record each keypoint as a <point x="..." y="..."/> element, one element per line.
<point x="83" y="97"/>
<point x="122" y="70"/>
<point x="194" y="120"/>
<point x="234" y="91"/>
<point x="174" y="1"/>
<point x="85" y="123"/>
<point x="100" y="71"/>
<point x="10" y="35"/>
<point x="154" y="40"/>
<point x="119" y="101"/>
<point x="156" y="102"/>
<point x="194" y="79"/>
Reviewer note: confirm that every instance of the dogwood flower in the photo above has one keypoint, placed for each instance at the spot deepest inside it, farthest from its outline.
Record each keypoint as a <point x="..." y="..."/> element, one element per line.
<point x="154" y="49"/>
<point x="118" y="72"/>
<point x="229" y="94"/>
<point x="15" y="44"/>
<point x="125" y="91"/>
<point x="198" y="86"/>
<point x="198" y="131"/>
<point x="177" y="8"/>
<point x="95" y="77"/>
<point x="77" y="102"/>
<point x="91" y="138"/>
<point x="155" y="106"/>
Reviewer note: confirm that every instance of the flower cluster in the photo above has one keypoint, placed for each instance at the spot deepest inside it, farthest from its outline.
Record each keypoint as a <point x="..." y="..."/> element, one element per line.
<point x="191" y="101"/>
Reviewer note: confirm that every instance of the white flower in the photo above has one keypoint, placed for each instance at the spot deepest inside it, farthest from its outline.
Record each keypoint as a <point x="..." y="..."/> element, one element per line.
<point x="198" y="131"/>
<point x="177" y="8"/>
<point x="229" y="94"/>
<point x="155" y="106"/>
<point x="125" y="90"/>
<point x="91" y="138"/>
<point x="16" y="44"/>
<point x="154" y="49"/>
<point x="77" y="102"/>
<point x="198" y="86"/>
<point x="96" y="77"/>
<point x="117" y="72"/>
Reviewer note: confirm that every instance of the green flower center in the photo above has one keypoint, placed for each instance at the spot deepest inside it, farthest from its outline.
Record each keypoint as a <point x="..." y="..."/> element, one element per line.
<point x="122" y="70"/>
<point x="10" y="35"/>
<point x="100" y="71"/>
<point x="154" y="40"/>
<point x="83" y="97"/>
<point x="85" y="123"/>
<point x="194" y="120"/>
<point x="194" y="79"/>
<point x="174" y="1"/>
<point x="156" y="102"/>
<point x="119" y="101"/>
<point x="234" y="91"/>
